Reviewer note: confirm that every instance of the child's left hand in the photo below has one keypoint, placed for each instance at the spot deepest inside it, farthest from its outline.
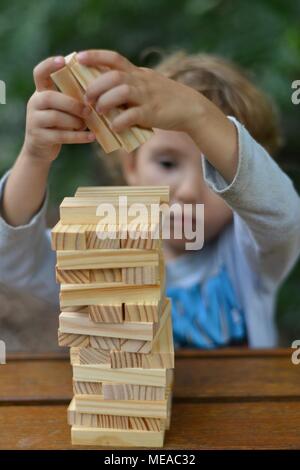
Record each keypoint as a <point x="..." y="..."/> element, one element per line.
<point x="152" y="99"/>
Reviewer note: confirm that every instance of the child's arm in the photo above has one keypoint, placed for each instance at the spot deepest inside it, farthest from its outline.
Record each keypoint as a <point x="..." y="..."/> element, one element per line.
<point x="26" y="258"/>
<point x="157" y="101"/>
<point x="52" y="120"/>
<point x="266" y="204"/>
<point x="266" y="209"/>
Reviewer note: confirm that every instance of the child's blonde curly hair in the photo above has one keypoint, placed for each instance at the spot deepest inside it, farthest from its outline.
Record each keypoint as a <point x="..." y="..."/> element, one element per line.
<point x="226" y="85"/>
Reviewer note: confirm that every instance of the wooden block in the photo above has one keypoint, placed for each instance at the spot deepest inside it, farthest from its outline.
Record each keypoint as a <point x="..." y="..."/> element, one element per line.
<point x="104" y="373"/>
<point x="106" y="313"/>
<point x="106" y="236"/>
<point x="144" y="312"/>
<point x="118" y="391"/>
<point x="73" y="276"/>
<point x="70" y="340"/>
<point x="82" y="237"/>
<point x="118" y="422"/>
<point x="161" y="354"/>
<point x="124" y="345"/>
<point x="101" y="342"/>
<point x="140" y="243"/>
<point x="78" y="308"/>
<point x="140" y="347"/>
<point x="167" y="423"/>
<point x="108" y="293"/>
<point x="133" y="236"/>
<point x="99" y="421"/>
<point x="123" y="359"/>
<point x="76" y="340"/>
<point x="104" y="343"/>
<point x="170" y="379"/>
<point x="80" y="323"/>
<point x="118" y="199"/>
<point x="94" y="240"/>
<point x="106" y="259"/>
<point x="131" y="138"/>
<point x="96" y="404"/>
<point x="87" y="75"/>
<point x="135" y="345"/>
<point x="94" y="211"/>
<point x="141" y="275"/>
<point x="106" y="275"/>
<point x="139" y="192"/>
<point x="146" y="424"/>
<point x="86" y="388"/>
<point x="89" y="355"/>
<point x="67" y="84"/>
<point x="68" y="237"/>
<point x="136" y="276"/>
<point x="116" y="438"/>
<point x="86" y="276"/>
<point x="96" y="420"/>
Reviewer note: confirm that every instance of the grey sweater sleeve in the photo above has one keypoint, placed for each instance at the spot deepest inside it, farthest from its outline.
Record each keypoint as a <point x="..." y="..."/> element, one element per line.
<point x="266" y="209"/>
<point x="26" y="259"/>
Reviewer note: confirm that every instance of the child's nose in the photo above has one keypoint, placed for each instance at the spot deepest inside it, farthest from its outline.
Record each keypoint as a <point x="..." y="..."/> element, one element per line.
<point x="188" y="190"/>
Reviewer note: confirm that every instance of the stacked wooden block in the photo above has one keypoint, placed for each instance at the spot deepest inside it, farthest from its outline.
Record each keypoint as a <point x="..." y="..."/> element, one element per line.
<point x="73" y="80"/>
<point x="115" y="318"/>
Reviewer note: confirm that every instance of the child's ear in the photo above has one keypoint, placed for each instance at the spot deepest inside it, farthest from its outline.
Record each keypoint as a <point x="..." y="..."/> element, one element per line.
<point x="129" y="167"/>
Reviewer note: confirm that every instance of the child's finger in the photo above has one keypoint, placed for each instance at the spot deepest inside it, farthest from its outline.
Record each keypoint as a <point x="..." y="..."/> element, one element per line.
<point x="130" y="117"/>
<point x="104" y="83"/>
<point x="54" y="136"/>
<point x="43" y="70"/>
<point x="101" y="57"/>
<point x="118" y="96"/>
<point x="58" y="119"/>
<point x="59" y="101"/>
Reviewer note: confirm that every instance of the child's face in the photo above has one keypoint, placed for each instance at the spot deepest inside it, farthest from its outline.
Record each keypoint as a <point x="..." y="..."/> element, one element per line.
<point x="172" y="158"/>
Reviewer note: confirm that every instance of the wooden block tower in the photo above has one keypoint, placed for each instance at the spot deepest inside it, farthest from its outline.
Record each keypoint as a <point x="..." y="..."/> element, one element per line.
<point x="115" y="317"/>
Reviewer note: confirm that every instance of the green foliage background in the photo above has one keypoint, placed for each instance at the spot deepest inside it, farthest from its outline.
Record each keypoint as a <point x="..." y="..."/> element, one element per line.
<point x="261" y="35"/>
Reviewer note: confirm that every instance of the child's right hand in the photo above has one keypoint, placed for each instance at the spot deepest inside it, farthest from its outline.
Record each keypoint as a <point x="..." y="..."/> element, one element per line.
<point x="53" y="118"/>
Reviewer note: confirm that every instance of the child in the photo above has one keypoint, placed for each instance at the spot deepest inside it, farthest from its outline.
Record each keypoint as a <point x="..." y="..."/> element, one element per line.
<point x="225" y="293"/>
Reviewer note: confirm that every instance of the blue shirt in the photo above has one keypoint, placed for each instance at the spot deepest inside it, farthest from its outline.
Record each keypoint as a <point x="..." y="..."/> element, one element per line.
<point x="207" y="314"/>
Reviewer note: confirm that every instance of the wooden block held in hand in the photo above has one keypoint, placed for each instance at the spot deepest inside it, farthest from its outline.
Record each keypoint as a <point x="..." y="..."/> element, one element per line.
<point x="67" y="84"/>
<point x="129" y="139"/>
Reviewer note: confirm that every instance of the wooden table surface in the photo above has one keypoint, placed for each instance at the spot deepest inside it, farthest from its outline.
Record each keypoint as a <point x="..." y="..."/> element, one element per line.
<point x="225" y="399"/>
